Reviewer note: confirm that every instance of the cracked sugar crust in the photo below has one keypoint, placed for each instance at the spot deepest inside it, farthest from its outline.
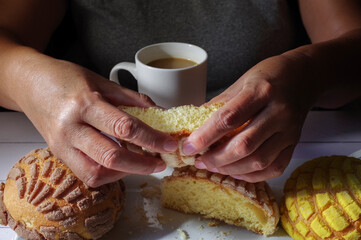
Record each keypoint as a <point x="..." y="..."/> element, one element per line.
<point x="322" y="199"/>
<point x="42" y="197"/>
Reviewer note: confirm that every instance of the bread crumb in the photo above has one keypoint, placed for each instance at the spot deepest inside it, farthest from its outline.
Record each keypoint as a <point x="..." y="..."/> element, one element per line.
<point x="161" y="219"/>
<point x="213" y="224"/>
<point x="226" y="233"/>
<point x="151" y="192"/>
<point x="182" y="234"/>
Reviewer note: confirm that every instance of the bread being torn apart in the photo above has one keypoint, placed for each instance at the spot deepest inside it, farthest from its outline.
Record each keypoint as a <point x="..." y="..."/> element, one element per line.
<point x="179" y="122"/>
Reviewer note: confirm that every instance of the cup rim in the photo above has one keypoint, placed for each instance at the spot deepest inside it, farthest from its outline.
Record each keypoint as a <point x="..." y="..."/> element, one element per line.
<point x="173" y="69"/>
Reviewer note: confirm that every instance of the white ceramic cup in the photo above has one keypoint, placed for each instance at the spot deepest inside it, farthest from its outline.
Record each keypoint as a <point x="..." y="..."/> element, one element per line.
<point x="168" y="87"/>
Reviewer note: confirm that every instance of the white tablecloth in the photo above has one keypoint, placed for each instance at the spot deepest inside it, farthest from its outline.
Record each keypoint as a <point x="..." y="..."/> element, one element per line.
<point x="324" y="133"/>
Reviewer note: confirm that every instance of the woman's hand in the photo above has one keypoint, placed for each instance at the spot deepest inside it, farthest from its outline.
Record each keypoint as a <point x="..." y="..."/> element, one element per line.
<point x="71" y="106"/>
<point x="276" y="96"/>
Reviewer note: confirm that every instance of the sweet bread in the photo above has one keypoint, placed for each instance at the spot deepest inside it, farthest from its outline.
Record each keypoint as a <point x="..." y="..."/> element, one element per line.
<point x="236" y="202"/>
<point x="322" y="199"/>
<point x="179" y="122"/>
<point x="43" y="199"/>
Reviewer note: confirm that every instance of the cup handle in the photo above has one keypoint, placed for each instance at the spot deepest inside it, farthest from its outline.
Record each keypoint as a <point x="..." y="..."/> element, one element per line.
<point x="130" y="67"/>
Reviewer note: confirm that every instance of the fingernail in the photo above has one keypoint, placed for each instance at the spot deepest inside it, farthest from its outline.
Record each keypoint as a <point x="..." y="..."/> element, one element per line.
<point x="160" y="167"/>
<point x="200" y="165"/>
<point x="189" y="149"/>
<point x="239" y="177"/>
<point x="170" y="146"/>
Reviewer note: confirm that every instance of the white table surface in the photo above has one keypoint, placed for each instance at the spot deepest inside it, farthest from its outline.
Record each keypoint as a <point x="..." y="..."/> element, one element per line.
<point x="325" y="133"/>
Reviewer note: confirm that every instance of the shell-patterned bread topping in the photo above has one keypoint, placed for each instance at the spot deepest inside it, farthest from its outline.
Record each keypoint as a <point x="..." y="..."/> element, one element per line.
<point x="43" y="199"/>
<point x="250" y="205"/>
<point x="322" y="199"/>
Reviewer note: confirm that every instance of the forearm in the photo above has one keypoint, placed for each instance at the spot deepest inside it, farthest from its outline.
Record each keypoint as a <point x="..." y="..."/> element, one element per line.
<point x="17" y="69"/>
<point x="25" y="30"/>
<point x="333" y="69"/>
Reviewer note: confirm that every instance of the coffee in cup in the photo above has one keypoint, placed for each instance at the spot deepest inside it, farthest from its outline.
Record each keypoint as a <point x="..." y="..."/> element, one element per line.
<point x="171" y="74"/>
<point x="171" y="63"/>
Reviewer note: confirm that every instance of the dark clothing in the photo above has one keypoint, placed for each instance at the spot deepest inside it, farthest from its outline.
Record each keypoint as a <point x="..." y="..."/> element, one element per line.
<point x="236" y="34"/>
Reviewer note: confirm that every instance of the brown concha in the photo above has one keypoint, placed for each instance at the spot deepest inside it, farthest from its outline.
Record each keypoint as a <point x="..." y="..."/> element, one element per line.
<point x="43" y="199"/>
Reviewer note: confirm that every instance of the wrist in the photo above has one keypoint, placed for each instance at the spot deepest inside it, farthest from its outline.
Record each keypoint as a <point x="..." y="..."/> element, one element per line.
<point x="333" y="68"/>
<point x="302" y="70"/>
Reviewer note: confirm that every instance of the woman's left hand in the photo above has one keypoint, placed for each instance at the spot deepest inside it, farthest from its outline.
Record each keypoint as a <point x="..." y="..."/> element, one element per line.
<point x="275" y="95"/>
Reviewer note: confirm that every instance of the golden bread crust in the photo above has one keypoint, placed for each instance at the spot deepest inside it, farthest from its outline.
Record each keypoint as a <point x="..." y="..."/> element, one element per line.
<point x="43" y="199"/>
<point x="322" y="199"/>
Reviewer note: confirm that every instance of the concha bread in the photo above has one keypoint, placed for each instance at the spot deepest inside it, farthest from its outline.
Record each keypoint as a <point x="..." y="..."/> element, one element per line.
<point x="43" y="199"/>
<point x="322" y="199"/>
<point x="179" y="122"/>
<point x="249" y="205"/>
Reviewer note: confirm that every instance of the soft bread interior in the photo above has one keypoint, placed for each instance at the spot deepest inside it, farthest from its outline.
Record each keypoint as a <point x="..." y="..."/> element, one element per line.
<point x="194" y="195"/>
<point x="182" y="118"/>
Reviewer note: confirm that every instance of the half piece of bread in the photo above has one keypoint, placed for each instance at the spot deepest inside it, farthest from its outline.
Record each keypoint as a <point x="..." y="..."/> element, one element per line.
<point x="179" y="122"/>
<point x="249" y="205"/>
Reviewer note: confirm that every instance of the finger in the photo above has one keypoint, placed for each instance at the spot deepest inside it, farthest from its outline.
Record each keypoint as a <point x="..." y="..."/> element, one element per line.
<point x="258" y="160"/>
<point x="243" y="144"/>
<point x="114" y="122"/>
<point x="109" y="154"/>
<point x="87" y="170"/>
<point x="274" y="170"/>
<point x="235" y="113"/>
<point x="119" y="95"/>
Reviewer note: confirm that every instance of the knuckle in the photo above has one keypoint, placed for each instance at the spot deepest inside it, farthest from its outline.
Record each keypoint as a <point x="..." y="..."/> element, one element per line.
<point x="109" y="157"/>
<point x="228" y="119"/>
<point x="125" y="127"/>
<point x="243" y="146"/>
<point x="260" y="163"/>
<point x="86" y="101"/>
<point x="145" y="98"/>
<point x="267" y="89"/>
<point x="93" y="178"/>
<point x="201" y="141"/>
<point x="277" y="170"/>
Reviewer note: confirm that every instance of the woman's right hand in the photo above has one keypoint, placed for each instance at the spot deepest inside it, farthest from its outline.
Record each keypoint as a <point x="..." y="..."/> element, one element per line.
<point x="71" y="107"/>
